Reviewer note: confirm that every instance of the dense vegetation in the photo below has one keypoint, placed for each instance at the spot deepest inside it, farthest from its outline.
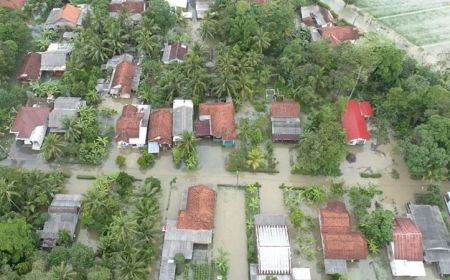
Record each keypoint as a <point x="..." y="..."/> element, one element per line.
<point x="252" y="208"/>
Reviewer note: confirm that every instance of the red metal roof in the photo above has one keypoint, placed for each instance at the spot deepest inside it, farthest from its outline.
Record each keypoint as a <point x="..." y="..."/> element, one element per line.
<point x="354" y="123"/>
<point x="134" y="7"/>
<point x="202" y="128"/>
<point x="222" y="119"/>
<point x="30" y="68"/>
<point x="128" y="124"/>
<point x="407" y="240"/>
<point x="160" y="128"/>
<point x="285" y="109"/>
<point x="178" y="51"/>
<point x="366" y="109"/>
<point x="70" y="13"/>
<point x="124" y="75"/>
<point x="339" y="34"/>
<point x="27" y="119"/>
<point x="338" y="239"/>
<point x="199" y="213"/>
<point x="12" y="4"/>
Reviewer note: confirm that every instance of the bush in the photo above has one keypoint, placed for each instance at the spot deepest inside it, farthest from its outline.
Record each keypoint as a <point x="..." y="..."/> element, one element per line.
<point x="81" y="256"/>
<point x="86" y="177"/>
<point x="58" y="255"/>
<point x="146" y="160"/>
<point x="337" y="189"/>
<point x="64" y="238"/>
<point x="370" y="175"/>
<point x="432" y="196"/>
<point x="124" y="184"/>
<point x="120" y="161"/>
<point x="180" y="263"/>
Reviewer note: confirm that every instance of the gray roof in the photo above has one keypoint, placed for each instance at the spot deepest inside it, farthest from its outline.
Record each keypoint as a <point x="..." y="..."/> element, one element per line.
<point x="290" y="126"/>
<point x="335" y="266"/>
<point x="436" y="238"/>
<point x="272" y="220"/>
<point x="183" y="114"/>
<point x="167" y="269"/>
<point x="63" y="215"/>
<point x="53" y="61"/>
<point x="64" y="107"/>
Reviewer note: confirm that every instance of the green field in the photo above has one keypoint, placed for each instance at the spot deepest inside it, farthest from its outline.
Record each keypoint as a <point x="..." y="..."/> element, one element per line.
<point x="423" y="22"/>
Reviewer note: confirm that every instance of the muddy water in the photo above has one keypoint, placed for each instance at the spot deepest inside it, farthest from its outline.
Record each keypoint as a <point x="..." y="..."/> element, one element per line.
<point x="229" y="232"/>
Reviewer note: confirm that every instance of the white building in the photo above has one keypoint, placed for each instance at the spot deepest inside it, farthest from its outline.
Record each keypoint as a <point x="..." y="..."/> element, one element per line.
<point x="183" y="113"/>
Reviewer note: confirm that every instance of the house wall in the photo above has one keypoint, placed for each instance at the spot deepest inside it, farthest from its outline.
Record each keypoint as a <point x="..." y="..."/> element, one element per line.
<point x="358" y="141"/>
<point x="141" y="141"/>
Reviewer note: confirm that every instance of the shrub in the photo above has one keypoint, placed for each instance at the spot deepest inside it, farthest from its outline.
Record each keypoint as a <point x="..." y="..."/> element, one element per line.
<point x="296" y="216"/>
<point x="370" y="175"/>
<point x="58" y="255"/>
<point x="120" y="160"/>
<point x="337" y="189"/>
<point x="86" y="177"/>
<point x="180" y="263"/>
<point x="146" y="160"/>
<point x="64" y="238"/>
<point x="81" y="256"/>
<point x="176" y="156"/>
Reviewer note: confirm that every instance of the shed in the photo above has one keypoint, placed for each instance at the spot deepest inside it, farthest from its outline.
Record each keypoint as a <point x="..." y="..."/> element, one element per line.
<point x="285" y="118"/>
<point x="64" y="107"/>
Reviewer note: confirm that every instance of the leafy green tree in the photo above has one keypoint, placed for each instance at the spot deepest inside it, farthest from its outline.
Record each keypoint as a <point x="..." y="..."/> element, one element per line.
<point x="131" y="266"/>
<point x="160" y="15"/>
<point x="8" y="54"/>
<point x="120" y="160"/>
<point x="8" y="193"/>
<point x="52" y="147"/>
<point x="99" y="273"/>
<point x="378" y="226"/>
<point x="58" y="255"/>
<point x="81" y="257"/>
<point x="64" y="238"/>
<point x="146" y="160"/>
<point x="17" y="240"/>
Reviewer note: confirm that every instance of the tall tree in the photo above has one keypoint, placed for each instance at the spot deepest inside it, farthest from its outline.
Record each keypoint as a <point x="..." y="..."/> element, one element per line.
<point x="52" y="147"/>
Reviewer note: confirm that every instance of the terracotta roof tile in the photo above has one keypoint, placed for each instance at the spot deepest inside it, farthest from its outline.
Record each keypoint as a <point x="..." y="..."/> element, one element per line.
<point x="70" y="13"/>
<point x="285" y="109"/>
<point x="128" y="124"/>
<point x="123" y="76"/>
<point x="199" y="213"/>
<point x="202" y="128"/>
<point x="339" y="242"/>
<point x="134" y="7"/>
<point x="30" y="68"/>
<point x="27" y="119"/>
<point x="222" y="119"/>
<point x="339" y="34"/>
<point x="160" y="128"/>
<point x="407" y="240"/>
<point x="12" y="4"/>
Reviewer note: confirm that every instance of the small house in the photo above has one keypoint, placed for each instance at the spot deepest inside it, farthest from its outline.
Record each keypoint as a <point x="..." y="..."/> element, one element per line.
<point x="174" y="53"/>
<point x="160" y="130"/>
<point x="67" y="16"/>
<point x="64" y="107"/>
<point x="30" y="126"/>
<point x="30" y="68"/>
<point x="339" y="242"/>
<point x="62" y="215"/>
<point x="53" y="60"/>
<point x="354" y="121"/>
<point x="183" y="113"/>
<point x="285" y="118"/>
<point x="131" y="127"/>
<point x="12" y="4"/>
<point x="217" y="120"/>
<point x="339" y="34"/>
<point x="316" y="16"/>
<point x="125" y="77"/>
<point x="134" y="7"/>
<point x="436" y="238"/>
<point x="406" y="250"/>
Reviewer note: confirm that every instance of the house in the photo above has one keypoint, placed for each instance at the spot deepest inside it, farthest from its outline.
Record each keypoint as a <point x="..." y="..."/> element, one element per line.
<point x="274" y="251"/>
<point x="183" y="112"/>
<point x="436" y="238"/>
<point x="217" y="120"/>
<point x="30" y="68"/>
<point x="406" y="250"/>
<point x="131" y="127"/>
<point x="339" y="242"/>
<point x="30" y="126"/>
<point x="178" y="4"/>
<point x="201" y="8"/>
<point x="160" y="130"/>
<point x="64" y="107"/>
<point x="174" y="53"/>
<point x="62" y="215"/>
<point x="339" y="34"/>
<point x="316" y="16"/>
<point x="67" y="16"/>
<point x="125" y="76"/>
<point x="191" y="235"/>
<point x="354" y="121"/>
<point x="285" y="118"/>
<point x="134" y="7"/>
<point x="12" y="4"/>
<point x="53" y="60"/>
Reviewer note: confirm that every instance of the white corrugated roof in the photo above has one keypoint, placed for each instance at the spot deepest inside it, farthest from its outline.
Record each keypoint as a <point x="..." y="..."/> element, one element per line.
<point x="274" y="252"/>
<point x="407" y="268"/>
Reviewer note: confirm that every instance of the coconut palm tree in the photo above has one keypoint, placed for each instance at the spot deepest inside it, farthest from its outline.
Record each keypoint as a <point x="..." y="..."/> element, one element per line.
<point x="261" y="40"/>
<point x="52" y="147"/>
<point x="93" y="97"/>
<point x="122" y="228"/>
<point x="245" y="85"/>
<point x="97" y="50"/>
<point x="62" y="272"/>
<point x="208" y="29"/>
<point x="192" y="162"/>
<point x="188" y="145"/>
<point x="7" y="194"/>
<point x="255" y="158"/>
<point x="73" y="129"/>
<point x="131" y="265"/>
<point x="147" y="41"/>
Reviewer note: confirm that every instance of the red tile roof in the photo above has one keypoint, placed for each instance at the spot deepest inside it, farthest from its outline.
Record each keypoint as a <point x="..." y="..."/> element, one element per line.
<point x="222" y="119"/>
<point x="128" y="124"/>
<point x="354" y="123"/>
<point x="335" y="218"/>
<point x="339" y="242"/>
<point x="124" y="75"/>
<point x="30" y="68"/>
<point x="160" y="127"/>
<point x="202" y="128"/>
<point x="178" y="51"/>
<point x="285" y="109"/>
<point x="339" y="34"/>
<point x="199" y="213"/>
<point x="134" y="7"/>
<point x="70" y="13"/>
<point x="407" y="240"/>
<point x="27" y="119"/>
<point x="12" y="4"/>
